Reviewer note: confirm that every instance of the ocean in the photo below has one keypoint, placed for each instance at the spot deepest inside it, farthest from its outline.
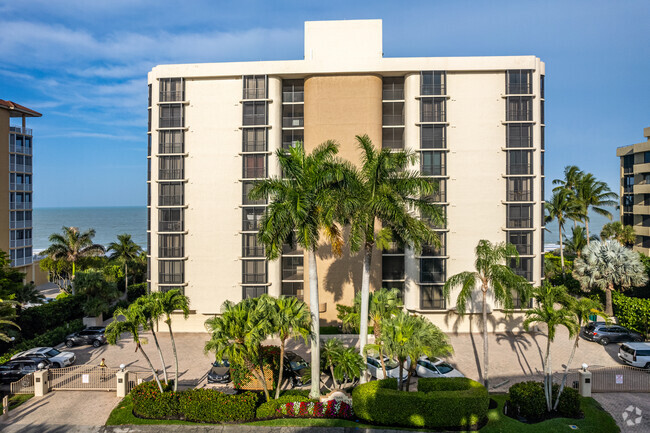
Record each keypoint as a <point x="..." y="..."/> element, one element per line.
<point x="108" y="222"/>
<point x="596" y="223"/>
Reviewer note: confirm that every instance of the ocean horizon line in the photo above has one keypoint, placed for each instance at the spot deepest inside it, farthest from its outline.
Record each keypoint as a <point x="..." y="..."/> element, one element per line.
<point x="88" y="207"/>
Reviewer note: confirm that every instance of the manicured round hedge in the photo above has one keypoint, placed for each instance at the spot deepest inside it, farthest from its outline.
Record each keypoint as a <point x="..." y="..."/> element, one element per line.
<point x="439" y="403"/>
<point x="526" y="399"/>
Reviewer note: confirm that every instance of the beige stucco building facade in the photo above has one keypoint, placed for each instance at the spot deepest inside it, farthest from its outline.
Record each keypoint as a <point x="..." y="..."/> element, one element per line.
<point x="476" y="122"/>
<point x="635" y="190"/>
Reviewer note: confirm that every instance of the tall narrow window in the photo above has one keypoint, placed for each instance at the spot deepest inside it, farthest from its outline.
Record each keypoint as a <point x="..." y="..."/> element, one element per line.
<point x="254" y="140"/>
<point x="255" y="87"/>
<point x="171" y="141"/>
<point x="519" y="135"/>
<point x="170" y="194"/>
<point x="432" y="163"/>
<point x="170" y="168"/>
<point x="254" y="166"/>
<point x="433" y="137"/>
<point x="254" y="113"/>
<point x="519" y="108"/>
<point x="433" y="82"/>
<point x="432" y="110"/>
<point x="171" y="116"/>
<point x="519" y="82"/>
<point x="171" y="89"/>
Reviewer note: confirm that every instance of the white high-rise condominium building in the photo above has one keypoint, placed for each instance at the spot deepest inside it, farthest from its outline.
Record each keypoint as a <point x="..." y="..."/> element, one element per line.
<point x="476" y="122"/>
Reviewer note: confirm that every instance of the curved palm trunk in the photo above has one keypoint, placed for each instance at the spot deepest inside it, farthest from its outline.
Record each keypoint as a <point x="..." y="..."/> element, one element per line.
<point x="561" y="249"/>
<point x="377" y="332"/>
<point x="609" y="310"/>
<point x="162" y="360"/>
<point x="485" y="340"/>
<point x="566" y="371"/>
<point x="171" y="335"/>
<point x="334" y="381"/>
<point x="153" y="370"/>
<point x="315" y="314"/>
<point x="365" y="295"/>
<point x="548" y="388"/>
<point x="280" y="376"/>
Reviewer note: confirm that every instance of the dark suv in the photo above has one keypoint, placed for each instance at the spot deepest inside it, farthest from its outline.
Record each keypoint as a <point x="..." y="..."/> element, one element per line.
<point x="604" y="334"/>
<point x="94" y="336"/>
<point x="295" y="368"/>
<point x="13" y="370"/>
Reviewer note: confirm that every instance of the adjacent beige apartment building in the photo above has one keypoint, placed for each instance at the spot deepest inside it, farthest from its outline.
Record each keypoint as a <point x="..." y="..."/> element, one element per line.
<point x="476" y="122"/>
<point x="635" y="190"/>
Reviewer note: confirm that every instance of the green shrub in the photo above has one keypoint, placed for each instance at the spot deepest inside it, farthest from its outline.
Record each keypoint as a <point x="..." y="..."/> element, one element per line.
<point x="633" y="313"/>
<point x="526" y="399"/>
<point x="149" y="402"/>
<point x="569" y="405"/>
<point x="42" y="318"/>
<point x="49" y="338"/>
<point x="135" y="291"/>
<point x="439" y="403"/>
<point x="269" y="409"/>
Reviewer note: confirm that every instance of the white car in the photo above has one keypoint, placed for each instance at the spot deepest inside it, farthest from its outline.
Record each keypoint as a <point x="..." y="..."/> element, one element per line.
<point x="435" y="368"/>
<point x="392" y="368"/>
<point x="635" y="354"/>
<point x="57" y="358"/>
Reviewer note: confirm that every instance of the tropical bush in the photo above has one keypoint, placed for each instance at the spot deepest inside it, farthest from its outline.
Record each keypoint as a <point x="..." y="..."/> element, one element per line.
<point x="448" y="403"/>
<point x="270" y="408"/>
<point x="42" y="318"/>
<point x="49" y="338"/>
<point x="527" y="400"/>
<point x="241" y="375"/>
<point x="316" y="409"/>
<point x="135" y="291"/>
<point x="633" y="313"/>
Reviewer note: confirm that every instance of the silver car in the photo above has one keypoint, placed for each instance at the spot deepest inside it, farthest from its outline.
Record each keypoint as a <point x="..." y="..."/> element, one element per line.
<point x="57" y="358"/>
<point x="392" y="368"/>
<point x="435" y="368"/>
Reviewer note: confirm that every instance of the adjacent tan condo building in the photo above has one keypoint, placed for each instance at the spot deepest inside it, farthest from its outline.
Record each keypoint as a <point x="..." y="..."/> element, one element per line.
<point x="476" y="122"/>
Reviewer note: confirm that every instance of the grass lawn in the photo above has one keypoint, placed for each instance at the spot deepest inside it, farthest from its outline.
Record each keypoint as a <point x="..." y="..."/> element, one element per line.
<point x="17" y="400"/>
<point x="596" y="420"/>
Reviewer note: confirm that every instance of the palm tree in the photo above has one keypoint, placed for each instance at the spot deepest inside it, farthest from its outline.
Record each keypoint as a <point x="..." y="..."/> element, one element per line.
<point x="168" y="302"/>
<point x="622" y="233"/>
<point x="291" y="318"/>
<point x="492" y="276"/>
<point x="387" y="191"/>
<point x="551" y="309"/>
<point x="304" y="203"/>
<point x="606" y="265"/>
<point x="72" y="246"/>
<point x="237" y="334"/>
<point x="578" y="240"/>
<point x="150" y="312"/>
<point x="561" y="207"/>
<point x="131" y="324"/>
<point x="344" y="363"/>
<point x="581" y="308"/>
<point x="124" y="251"/>
<point x="594" y="194"/>
<point x="572" y="176"/>
<point x="27" y="294"/>
<point x="7" y="312"/>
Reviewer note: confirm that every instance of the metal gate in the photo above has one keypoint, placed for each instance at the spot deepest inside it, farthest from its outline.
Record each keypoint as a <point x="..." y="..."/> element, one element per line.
<point x="83" y="377"/>
<point x="24" y="385"/>
<point x="620" y="379"/>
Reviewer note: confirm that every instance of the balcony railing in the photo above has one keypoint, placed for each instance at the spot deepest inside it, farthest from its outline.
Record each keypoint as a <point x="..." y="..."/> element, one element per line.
<point x="171" y="200"/>
<point x="519" y="196"/>
<point x="519" y="89"/>
<point x="254" y="119"/>
<point x="293" y="274"/>
<point x="20" y="149"/>
<point x="432" y="277"/>
<point x="433" y="170"/>
<point x="255" y="93"/>
<point x="20" y="224"/>
<point x="170" y="122"/>
<point x="437" y="116"/>
<point x="21" y="262"/>
<point x="253" y="251"/>
<point x="392" y="144"/>
<point x="170" y="226"/>
<point x="432" y="89"/>
<point x="20" y="130"/>
<point x="295" y="96"/>
<point x="432" y="251"/>
<point x="254" y="278"/>
<point x="254" y="172"/>
<point x="393" y="119"/>
<point x="170" y="278"/>
<point x="173" y="174"/>
<point x="170" y="252"/>
<point x="17" y="243"/>
<point x="519" y="142"/>
<point x="519" y="169"/>
<point x="519" y="115"/>
<point x="21" y="205"/>
<point x="20" y="187"/>
<point x="254" y="146"/>
<point x="520" y="223"/>
<point x="21" y="168"/>
<point x="628" y="189"/>
<point x="172" y="96"/>
<point x="393" y="94"/>
<point x="293" y="122"/>
<point x="524" y="249"/>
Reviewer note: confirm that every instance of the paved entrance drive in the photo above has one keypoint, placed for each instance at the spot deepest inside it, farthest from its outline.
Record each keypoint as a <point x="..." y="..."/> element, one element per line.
<point x="630" y="410"/>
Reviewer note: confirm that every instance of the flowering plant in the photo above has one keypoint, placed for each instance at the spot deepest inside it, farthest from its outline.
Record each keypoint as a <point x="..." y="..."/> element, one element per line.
<point x="310" y="409"/>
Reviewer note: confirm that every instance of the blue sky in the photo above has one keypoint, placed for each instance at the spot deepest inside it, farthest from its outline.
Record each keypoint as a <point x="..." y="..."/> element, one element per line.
<point x="83" y="64"/>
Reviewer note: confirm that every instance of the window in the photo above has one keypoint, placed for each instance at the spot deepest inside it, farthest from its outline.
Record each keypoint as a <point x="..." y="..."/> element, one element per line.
<point x="432" y="270"/>
<point x="628" y="219"/>
<point x="254" y="271"/>
<point x="431" y="298"/>
<point x="247" y="187"/>
<point x="170" y="194"/>
<point x="291" y="138"/>
<point x="171" y="271"/>
<point x="254" y="140"/>
<point x="393" y="113"/>
<point x="628" y="183"/>
<point x="523" y="241"/>
<point x="541" y="136"/>
<point x="149" y="99"/>
<point x="149" y="120"/>
<point x="255" y="87"/>
<point x="433" y="83"/>
<point x="392" y="138"/>
<point x="524" y="269"/>
<point x="541" y="112"/>
<point x="171" y="142"/>
<point x="293" y="268"/>
<point x="251" y="217"/>
<point x="432" y="110"/>
<point x="520" y="216"/>
<point x="440" y="194"/>
<point x="392" y="267"/>
<point x="170" y="246"/>
<point x="519" y="82"/>
<point x="541" y="86"/>
<point x="439" y="225"/>
<point x="293" y="90"/>
<point x="519" y="162"/>
<point x="646" y="157"/>
<point x="254" y="113"/>
<point x="293" y="288"/>
<point x="254" y="166"/>
<point x="517" y="301"/>
<point x="250" y="246"/>
<point x="393" y="88"/>
<point x="432" y="163"/>
<point x="432" y="250"/>
<point x="390" y="285"/>
<point x="519" y="135"/>
<point x="293" y="116"/>
<point x="433" y="137"/>
<point x="519" y="108"/>
<point x="171" y="89"/>
<point x="519" y="189"/>
<point x="253" y="291"/>
<point x="170" y="168"/>
<point x="171" y="116"/>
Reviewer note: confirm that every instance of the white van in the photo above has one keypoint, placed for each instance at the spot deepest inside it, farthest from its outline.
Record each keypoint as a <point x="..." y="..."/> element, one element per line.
<point x="635" y="354"/>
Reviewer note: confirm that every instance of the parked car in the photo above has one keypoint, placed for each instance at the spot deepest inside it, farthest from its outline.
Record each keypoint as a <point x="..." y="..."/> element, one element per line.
<point x="604" y="334"/>
<point x="13" y="370"/>
<point x="219" y="372"/>
<point x="295" y="368"/>
<point x="93" y="336"/>
<point x="435" y="368"/>
<point x="392" y="368"/>
<point x="635" y="354"/>
<point x="57" y="358"/>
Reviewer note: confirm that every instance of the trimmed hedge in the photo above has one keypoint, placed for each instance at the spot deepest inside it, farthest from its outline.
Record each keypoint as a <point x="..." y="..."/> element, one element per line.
<point x="269" y="409"/>
<point x="197" y="405"/>
<point x="50" y="338"/>
<point x="633" y="313"/>
<point x="440" y="403"/>
<point x="526" y="399"/>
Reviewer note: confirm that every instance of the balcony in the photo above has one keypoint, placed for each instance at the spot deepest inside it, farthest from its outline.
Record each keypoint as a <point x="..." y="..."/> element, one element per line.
<point x="519" y="196"/>
<point x="293" y="122"/>
<point x="171" y="174"/>
<point x="170" y="226"/>
<point x="20" y="130"/>
<point x="641" y="168"/>
<point x="21" y="262"/>
<point x="170" y="252"/>
<point x="520" y="223"/>
<point x="254" y="278"/>
<point x="436" y="116"/>
<point x="255" y="93"/>
<point x="172" y="200"/>
<point x="514" y="169"/>
<point x="170" y="122"/>
<point x="18" y="243"/>
<point x="253" y="251"/>
<point x="27" y="150"/>
<point x="519" y="89"/>
<point x="21" y="205"/>
<point x="432" y="89"/>
<point x="20" y="224"/>
<point x="172" y="96"/>
<point x="20" y="187"/>
<point x="20" y="168"/>
<point x="643" y="188"/>
<point x="640" y="209"/>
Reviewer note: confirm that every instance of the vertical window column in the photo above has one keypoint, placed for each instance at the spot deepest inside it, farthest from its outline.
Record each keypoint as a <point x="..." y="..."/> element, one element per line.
<point x="393" y="113"/>
<point x="20" y="195"/>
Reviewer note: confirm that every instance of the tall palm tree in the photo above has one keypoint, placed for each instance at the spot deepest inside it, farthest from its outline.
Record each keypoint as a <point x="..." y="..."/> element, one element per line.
<point x="582" y="309"/>
<point x="291" y="318"/>
<point x="73" y="245"/>
<point x="594" y="194"/>
<point x="561" y="207"/>
<point x="169" y="302"/>
<point x="622" y="233"/>
<point x="130" y="324"/>
<point x="148" y="309"/>
<point x="572" y="176"/>
<point x="124" y="251"/>
<point x="551" y="309"/>
<point x="491" y="276"/>
<point x="387" y="191"/>
<point x="305" y="202"/>
<point x="606" y="265"/>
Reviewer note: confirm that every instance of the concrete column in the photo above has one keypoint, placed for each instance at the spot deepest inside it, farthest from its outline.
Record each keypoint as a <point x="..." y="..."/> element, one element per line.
<point x="585" y="383"/>
<point x="5" y="407"/>
<point x="41" y="383"/>
<point x="122" y="383"/>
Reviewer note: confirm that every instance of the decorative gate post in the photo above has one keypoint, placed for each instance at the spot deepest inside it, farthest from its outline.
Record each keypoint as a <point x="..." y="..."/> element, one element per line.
<point x="41" y="382"/>
<point x="584" y="387"/>
<point x="122" y="383"/>
<point x="5" y="407"/>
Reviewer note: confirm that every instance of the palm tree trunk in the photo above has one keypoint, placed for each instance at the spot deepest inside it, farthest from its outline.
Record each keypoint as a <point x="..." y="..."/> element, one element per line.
<point x="365" y="295"/>
<point x="399" y="379"/>
<point x="409" y="375"/>
<point x="171" y="335"/>
<point x="377" y="332"/>
<point x="609" y="310"/>
<point x="566" y="371"/>
<point x="315" y="314"/>
<point x="561" y="249"/>
<point x="153" y="370"/>
<point x="280" y="378"/>
<point x="587" y="229"/>
<point x="260" y="378"/>
<point x="485" y="340"/>
<point x="336" y="384"/>
<point x="162" y="360"/>
<point x="547" y="376"/>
